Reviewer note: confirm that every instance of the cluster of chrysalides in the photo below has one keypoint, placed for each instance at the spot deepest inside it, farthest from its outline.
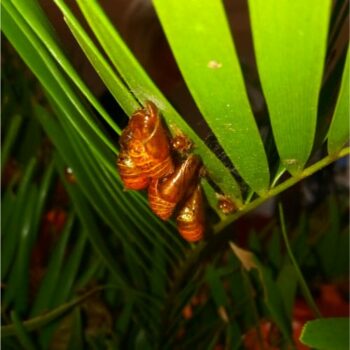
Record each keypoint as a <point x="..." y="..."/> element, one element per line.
<point x="148" y="159"/>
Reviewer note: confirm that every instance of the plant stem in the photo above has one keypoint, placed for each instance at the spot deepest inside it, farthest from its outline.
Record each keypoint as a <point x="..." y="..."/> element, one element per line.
<point x="282" y="187"/>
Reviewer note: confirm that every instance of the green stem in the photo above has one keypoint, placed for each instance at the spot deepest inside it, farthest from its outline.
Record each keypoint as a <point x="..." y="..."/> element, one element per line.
<point x="21" y="332"/>
<point x="42" y="320"/>
<point x="305" y="289"/>
<point x="282" y="187"/>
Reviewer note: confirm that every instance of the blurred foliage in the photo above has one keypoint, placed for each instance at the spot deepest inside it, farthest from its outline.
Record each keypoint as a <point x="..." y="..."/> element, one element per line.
<point x="87" y="266"/>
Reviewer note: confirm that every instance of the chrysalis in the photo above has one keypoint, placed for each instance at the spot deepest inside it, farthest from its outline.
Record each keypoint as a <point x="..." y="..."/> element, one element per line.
<point x="132" y="177"/>
<point x="146" y="141"/>
<point x="190" y="219"/>
<point x="164" y="194"/>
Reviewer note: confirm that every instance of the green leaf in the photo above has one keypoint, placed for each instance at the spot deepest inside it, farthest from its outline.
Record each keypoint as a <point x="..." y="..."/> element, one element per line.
<point x="21" y="332"/>
<point x="37" y="20"/>
<point x="327" y="334"/>
<point x="331" y="242"/>
<point x="10" y="138"/>
<point x="112" y="81"/>
<point x="76" y="336"/>
<point x="158" y="281"/>
<point x="287" y="282"/>
<point x="104" y="202"/>
<point x="43" y="193"/>
<point x="30" y="140"/>
<point x="55" y="83"/>
<point x="274" y="249"/>
<point x="141" y="341"/>
<point x="105" y="191"/>
<point x="144" y="89"/>
<point x="200" y="39"/>
<point x="42" y="320"/>
<point x="88" y="221"/>
<point x="216" y="287"/>
<point x="69" y="273"/>
<point x="12" y="239"/>
<point x="303" y="285"/>
<point x="290" y="45"/>
<point x="272" y="296"/>
<point x="50" y="284"/>
<point x="8" y="203"/>
<point x="19" y="278"/>
<point x="338" y="133"/>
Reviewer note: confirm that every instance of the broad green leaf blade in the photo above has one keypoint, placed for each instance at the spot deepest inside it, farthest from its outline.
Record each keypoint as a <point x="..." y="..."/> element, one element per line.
<point x="326" y="334"/>
<point x="144" y="89"/>
<point x="290" y="45"/>
<point x="200" y="39"/>
<point x="338" y="133"/>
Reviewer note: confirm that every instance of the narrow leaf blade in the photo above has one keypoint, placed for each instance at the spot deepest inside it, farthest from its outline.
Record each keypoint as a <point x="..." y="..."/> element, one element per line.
<point x="290" y="44"/>
<point x="338" y="133"/>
